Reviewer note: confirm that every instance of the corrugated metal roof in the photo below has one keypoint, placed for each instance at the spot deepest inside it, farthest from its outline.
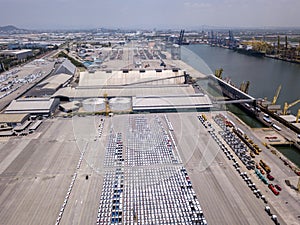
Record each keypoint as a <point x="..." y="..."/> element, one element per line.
<point x="120" y="78"/>
<point x="171" y="102"/>
<point x="57" y="79"/>
<point x="12" y="118"/>
<point x="66" y="67"/>
<point x="81" y="93"/>
<point x="30" y="105"/>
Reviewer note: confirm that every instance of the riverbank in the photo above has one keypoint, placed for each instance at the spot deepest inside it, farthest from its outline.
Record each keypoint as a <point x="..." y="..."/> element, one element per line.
<point x="255" y="53"/>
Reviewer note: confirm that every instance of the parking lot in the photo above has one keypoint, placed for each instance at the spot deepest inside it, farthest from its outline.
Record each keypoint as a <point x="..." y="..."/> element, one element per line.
<point x="154" y="168"/>
<point x="145" y="181"/>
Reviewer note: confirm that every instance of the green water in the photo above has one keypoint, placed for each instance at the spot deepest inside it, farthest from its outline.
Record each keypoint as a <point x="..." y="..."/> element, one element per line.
<point x="249" y="120"/>
<point x="292" y="153"/>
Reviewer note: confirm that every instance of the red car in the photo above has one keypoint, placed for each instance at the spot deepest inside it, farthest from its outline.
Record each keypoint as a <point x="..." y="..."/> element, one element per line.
<point x="270" y="177"/>
<point x="278" y="187"/>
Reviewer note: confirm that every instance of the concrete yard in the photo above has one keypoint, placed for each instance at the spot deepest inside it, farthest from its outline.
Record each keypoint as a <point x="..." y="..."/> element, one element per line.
<point x="36" y="172"/>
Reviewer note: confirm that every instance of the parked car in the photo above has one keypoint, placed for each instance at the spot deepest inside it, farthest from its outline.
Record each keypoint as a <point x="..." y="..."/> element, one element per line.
<point x="270" y="177"/>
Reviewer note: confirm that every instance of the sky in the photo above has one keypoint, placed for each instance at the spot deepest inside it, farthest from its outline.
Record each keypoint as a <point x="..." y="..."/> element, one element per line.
<point x="71" y="14"/>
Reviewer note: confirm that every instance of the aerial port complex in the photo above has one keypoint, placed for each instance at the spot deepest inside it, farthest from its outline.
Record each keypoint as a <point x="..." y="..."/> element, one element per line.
<point x="116" y="129"/>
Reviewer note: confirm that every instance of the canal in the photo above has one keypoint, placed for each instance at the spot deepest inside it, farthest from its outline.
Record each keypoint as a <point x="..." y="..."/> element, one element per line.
<point x="291" y="153"/>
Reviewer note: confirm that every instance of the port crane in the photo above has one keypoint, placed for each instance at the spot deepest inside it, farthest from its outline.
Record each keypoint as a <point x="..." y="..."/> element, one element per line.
<point x="218" y="73"/>
<point x="287" y="106"/>
<point x="181" y="37"/>
<point x="276" y="95"/>
<point x="245" y="86"/>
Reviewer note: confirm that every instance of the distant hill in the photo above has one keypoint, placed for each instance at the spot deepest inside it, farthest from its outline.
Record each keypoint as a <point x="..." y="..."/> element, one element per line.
<point x="11" y="29"/>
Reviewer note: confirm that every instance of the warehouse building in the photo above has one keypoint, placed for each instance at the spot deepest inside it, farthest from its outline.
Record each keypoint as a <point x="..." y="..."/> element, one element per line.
<point x="66" y="67"/>
<point x="13" y="120"/>
<point x="18" y="54"/>
<point x="34" y="106"/>
<point x="172" y="103"/>
<point x="51" y="85"/>
<point x="80" y="93"/>
<point x="144" y="90"/>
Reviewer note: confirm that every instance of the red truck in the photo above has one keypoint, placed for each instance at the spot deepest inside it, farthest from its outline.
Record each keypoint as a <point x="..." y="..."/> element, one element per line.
<point x="273" y="189"/>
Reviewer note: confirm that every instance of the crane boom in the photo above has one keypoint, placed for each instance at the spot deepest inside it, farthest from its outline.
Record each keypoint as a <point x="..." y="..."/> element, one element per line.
<point x="287" y="106"/>
<point x="276" y="95"/>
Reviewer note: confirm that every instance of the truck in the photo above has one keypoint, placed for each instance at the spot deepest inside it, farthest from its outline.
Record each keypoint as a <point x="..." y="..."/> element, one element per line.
<point x="276" y="127"/>
<point x="268" y="120"/>
<point x="273" y="189"/>
<point x="264" y="166"/>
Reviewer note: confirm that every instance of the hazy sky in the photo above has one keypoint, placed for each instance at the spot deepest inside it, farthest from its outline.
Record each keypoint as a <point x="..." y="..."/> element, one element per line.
<point x="149" y="14"/>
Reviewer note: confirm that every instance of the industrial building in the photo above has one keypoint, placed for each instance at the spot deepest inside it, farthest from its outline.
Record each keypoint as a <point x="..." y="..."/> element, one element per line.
<point x="13" y="120"/>
<point x="18" y="54"/>
<point x="34" y="106"/>
<point x="49" y="86"/>
<point x="144" y="90"/>
<point x="69" y="106"/>
<point x="132" y="77"/>
<point x="121" y="91"/>
<point x="66" y="67"/>
<point x="173" y="103"/>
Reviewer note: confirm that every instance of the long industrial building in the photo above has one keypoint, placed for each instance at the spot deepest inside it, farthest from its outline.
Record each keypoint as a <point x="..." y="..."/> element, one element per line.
<point x="151" y="90"/>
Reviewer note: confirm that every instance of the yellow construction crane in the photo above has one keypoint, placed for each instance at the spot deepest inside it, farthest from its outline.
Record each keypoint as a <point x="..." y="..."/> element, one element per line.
<point x="276" y="95"/>
<point x="287" y="106"/>
<point x="298" y="116"/>
<point x="107" y="110"/>
<point x="218" y="73"/>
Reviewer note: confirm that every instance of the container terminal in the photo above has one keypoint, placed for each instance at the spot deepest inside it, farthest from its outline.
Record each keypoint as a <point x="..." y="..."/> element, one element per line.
<point x="138" y="141"/>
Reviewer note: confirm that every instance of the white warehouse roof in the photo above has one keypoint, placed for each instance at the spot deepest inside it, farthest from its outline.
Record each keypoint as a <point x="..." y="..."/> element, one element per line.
<point x="171" y="102"/>
<point x="32" y="105"/>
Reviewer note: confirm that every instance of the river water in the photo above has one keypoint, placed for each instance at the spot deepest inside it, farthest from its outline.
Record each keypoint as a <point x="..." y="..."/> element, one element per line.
<point x="264" y="74"/>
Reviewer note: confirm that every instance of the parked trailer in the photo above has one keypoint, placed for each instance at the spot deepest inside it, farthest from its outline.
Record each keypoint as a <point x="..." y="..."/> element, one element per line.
<point x="264" y="166"/>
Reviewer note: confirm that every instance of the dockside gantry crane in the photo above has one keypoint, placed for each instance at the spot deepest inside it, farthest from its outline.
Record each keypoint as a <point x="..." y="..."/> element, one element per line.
<point x="218" y="73"/>
<point x="276" y="95"/>
<point x="287" y="106"/>
<point x="298" y="116"/>
<point x="245" y="86"/>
